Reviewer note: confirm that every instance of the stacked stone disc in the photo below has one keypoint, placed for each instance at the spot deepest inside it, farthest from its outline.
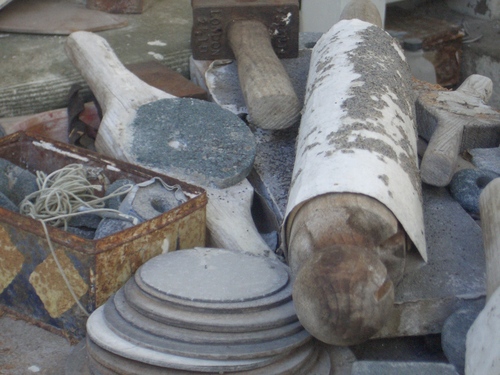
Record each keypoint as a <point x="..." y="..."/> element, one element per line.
<point x="203" y="311"/>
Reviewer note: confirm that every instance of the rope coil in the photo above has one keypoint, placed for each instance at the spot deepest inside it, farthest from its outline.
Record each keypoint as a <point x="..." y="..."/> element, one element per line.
<point x="63" y="194"/>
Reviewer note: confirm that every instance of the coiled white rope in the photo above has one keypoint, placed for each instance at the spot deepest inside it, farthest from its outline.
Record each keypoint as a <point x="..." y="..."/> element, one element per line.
<point x="66" y="193"/>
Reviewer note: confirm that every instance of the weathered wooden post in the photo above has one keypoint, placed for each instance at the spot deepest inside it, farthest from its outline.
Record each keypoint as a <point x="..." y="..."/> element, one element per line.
<point x="355" y="194"/>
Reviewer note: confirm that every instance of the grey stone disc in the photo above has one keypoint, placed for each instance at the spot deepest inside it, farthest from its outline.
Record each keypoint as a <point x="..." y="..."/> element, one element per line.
<point x="213" y="276"/>
<point x="99" y="333"/>
<point x="215" y="351"/>
<point x="212" y="322"/>
<point x="133" y="317"/>
<point x="193" y="140"/>
<point x="296" y="362"/>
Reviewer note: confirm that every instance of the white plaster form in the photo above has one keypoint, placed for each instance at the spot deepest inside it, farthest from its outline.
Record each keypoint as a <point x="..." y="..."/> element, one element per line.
<point x="320" y="168"/>
<point x="482" y="355"/>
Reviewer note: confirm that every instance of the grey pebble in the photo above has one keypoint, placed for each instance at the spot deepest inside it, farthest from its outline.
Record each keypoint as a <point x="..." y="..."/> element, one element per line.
<point x="6" y="203"/>
<point x="454" y="334"/>
<point x="15" y="182"/>
<point x="114" y="202"/>
<point x="109" y="226"/>
<point x="466" y="187"/>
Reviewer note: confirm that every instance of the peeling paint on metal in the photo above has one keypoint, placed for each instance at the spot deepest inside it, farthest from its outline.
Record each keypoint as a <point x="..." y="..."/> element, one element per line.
<point x="51" y="287"/>
<point x="11" y="260"/>
<point x="51" y="147"/>
<point x="113" y="168"/>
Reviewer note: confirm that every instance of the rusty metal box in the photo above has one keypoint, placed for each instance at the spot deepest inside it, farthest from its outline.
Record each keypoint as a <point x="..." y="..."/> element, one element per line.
<point x="31" y="286"/>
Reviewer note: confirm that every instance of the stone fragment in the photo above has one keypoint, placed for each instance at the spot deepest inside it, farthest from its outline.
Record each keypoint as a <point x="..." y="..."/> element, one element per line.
<point x="453" y="276"/>
<point x="466" y="187"/>
<point x="90" y="221"/>
<point x="114" y="202"/>
<point x="486" y="158"/>
<point x="454" y="334"/>
<point x="110" y="226"/>
<point x="15" y="182"/>
<point x="7" y="203"/>
<point x="84" y="233"/>
<point x="152" y="200"/>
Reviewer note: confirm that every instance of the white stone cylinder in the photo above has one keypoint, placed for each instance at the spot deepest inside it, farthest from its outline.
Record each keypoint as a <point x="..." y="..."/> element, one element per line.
<point x="358" y="133"/>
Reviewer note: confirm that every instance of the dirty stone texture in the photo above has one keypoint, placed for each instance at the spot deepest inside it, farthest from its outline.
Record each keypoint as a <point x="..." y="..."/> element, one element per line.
<point x="27" y="349"/>
<point x="486" y="158"/>
<point x="362" y="105"/>
<point x="195" y="141"/>
<point x="401" y="368"/>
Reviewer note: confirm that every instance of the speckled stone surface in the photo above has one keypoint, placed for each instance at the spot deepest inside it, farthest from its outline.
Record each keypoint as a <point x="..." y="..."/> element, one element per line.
<point x="467" y="185"/>
<point x="486" y="158"/>
<point x="15" y="182"/>
<point x="193" y="140"/>
<point x="401" y="368"/>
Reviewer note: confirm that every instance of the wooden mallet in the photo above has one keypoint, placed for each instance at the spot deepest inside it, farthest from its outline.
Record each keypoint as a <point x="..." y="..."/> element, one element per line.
<point x="257" y="33"/>
<point x="458" y="120"/>
<point x="188" y="139"/>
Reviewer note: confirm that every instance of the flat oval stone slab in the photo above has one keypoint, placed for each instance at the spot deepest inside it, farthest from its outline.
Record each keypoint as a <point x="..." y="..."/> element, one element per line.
<point x="164" y="318"/>
<point x="193" y="140"/>
<point x="213" y="276"/>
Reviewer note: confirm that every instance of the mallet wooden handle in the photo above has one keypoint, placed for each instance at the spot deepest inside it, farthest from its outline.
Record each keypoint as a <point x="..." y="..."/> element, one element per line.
<point x="119" y="92"/>
<point x="490" y="223"/>
<point x="106" y="76"/>
<point x="270" y="97"/>
<point x="440" y="158"/>
<point x="229" y="220"/>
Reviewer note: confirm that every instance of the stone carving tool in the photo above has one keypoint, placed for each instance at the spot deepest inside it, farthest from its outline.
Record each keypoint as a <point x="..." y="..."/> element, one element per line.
<point x="454" y="121"/>
<point x="189" y="139"/>
<point x="256" y="33"/>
